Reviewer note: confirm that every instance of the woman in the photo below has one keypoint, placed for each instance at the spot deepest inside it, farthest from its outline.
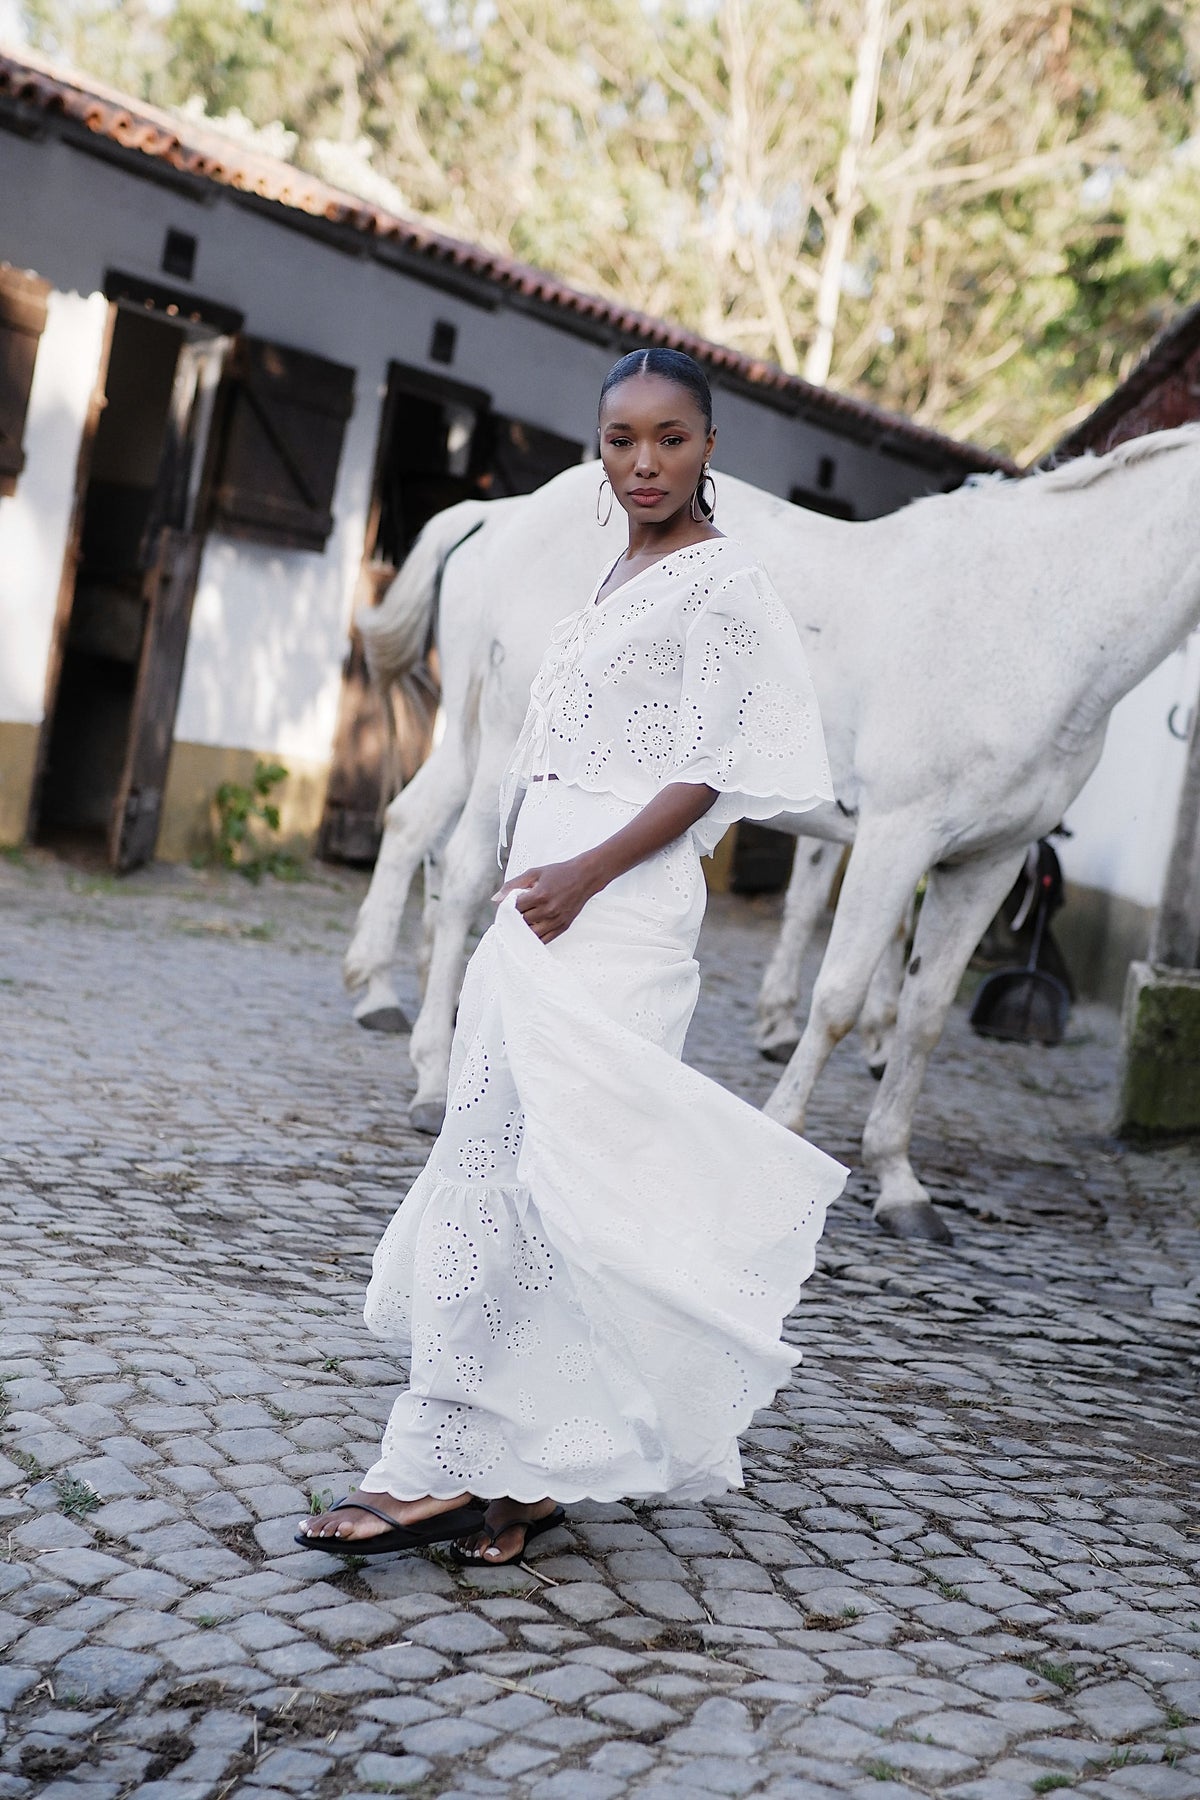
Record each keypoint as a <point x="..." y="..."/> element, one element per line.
<point x="592" y="1269"/>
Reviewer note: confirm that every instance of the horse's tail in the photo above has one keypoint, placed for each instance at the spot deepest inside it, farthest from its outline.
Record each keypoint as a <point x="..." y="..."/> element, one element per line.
<point x="398" y="634"/>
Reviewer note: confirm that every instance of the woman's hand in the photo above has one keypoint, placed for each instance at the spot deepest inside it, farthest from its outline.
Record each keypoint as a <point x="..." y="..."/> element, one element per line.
<point x="552" y="897"/>
<point x="555" y="895"/>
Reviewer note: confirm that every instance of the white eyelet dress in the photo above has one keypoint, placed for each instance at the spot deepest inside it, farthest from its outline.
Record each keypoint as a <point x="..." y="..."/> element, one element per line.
<point x="591" y="1272"/>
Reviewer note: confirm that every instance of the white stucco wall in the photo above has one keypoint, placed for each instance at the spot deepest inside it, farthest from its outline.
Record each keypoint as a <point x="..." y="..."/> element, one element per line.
<point x="34" y="521"/>
<point x="1124" y="819"/>
<point x="263" y="667"/>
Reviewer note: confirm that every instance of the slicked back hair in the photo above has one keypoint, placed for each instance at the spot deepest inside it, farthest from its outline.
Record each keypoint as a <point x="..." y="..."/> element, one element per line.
<point x="674" y="365"/>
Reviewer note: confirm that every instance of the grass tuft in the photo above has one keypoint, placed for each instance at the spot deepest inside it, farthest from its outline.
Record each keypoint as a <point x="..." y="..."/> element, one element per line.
<point x="1060" y="1675"/>
<point x="76" y="1498"/>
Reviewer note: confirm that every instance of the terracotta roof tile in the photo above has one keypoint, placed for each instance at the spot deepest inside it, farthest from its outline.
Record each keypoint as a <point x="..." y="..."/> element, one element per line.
<point x="195" y="149"/>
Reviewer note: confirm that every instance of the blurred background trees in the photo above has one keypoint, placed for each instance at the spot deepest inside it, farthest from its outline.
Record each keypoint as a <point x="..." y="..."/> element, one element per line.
<point x="976" y="214"/>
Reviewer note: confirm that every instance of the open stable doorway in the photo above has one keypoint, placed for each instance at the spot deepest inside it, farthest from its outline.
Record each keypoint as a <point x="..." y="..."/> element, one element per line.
<point x="439" y="442"/>
<point x="127" y="589"/>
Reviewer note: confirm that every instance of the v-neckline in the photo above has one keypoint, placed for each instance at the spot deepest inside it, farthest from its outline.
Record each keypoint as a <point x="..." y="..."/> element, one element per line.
<point x="596" y="601"/>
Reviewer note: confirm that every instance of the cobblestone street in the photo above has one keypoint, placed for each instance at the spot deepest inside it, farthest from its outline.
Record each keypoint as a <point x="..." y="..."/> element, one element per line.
<point x="966" y="1561"/>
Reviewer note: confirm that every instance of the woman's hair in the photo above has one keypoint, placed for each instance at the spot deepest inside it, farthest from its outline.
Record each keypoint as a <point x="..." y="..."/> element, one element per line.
<point x="675" y="365"/>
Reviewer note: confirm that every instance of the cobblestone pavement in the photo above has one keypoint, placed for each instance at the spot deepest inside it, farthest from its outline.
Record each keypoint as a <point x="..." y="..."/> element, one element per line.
<point x="966" y="1560"/>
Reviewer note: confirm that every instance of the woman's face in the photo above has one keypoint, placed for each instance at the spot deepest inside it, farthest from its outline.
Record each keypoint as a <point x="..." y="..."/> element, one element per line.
<point x="653" y="444"/>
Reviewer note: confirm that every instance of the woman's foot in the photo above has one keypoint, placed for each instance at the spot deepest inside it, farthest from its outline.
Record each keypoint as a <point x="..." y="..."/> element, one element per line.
<point x="350" y="1525"/>
<point x="503" y="1540"/>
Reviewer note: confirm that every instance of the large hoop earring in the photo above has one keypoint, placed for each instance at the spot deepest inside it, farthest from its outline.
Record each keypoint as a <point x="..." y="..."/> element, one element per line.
<point x="708" y="506"/>
<point x="604" y="482"/>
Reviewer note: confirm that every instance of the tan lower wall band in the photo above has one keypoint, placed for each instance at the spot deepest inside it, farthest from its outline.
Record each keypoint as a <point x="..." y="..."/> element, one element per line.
<point x="195" y="773"/>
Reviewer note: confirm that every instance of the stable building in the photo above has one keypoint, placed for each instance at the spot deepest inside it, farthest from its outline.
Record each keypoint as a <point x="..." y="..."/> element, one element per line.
<point x="230" y="396"/>
<point x="1127" y="819"/>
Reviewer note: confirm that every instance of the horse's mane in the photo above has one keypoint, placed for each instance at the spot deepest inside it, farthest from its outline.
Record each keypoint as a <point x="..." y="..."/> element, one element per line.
<point x="1083" y="471"/>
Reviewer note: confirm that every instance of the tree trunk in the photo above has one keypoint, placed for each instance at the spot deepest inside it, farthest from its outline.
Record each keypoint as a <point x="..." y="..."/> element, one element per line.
<point x="847" y="199"/>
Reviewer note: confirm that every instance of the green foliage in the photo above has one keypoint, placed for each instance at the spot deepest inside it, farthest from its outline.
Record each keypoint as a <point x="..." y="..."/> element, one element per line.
<point x="76" y="1497"/>
<point x="1046" y="1784"/>
<point x="1062" y="1675"/>
<point x="1025" y="215"/>
<point x="239" y="810"/>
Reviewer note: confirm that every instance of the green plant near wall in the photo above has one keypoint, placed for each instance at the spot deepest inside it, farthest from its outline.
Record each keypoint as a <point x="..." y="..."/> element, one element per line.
<point x="244" y="813"/>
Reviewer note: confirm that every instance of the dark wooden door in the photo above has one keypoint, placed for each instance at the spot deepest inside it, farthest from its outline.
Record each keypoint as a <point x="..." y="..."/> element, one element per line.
<point x="171" y="558"/>
<point x="440" y="442"/>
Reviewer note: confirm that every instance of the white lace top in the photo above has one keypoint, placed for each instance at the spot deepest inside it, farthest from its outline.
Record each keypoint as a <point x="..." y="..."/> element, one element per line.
<point x="692" y="671"/>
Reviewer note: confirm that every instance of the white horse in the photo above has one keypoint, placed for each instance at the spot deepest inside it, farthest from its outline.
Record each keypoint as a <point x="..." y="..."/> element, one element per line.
<point x="966" y="651"/>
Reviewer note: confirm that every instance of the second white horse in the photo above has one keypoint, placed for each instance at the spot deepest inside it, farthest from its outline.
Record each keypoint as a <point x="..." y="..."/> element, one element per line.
<point x="967" y="652"/>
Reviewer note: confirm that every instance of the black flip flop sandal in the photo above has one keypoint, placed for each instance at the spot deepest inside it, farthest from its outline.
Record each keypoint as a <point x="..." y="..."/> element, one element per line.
<point x="533" y="1528"/>
<point x="438" y="1530"/>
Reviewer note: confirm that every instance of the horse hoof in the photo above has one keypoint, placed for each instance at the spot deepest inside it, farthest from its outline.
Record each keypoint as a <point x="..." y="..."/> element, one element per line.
<point x="384" y="1018"/>
<point x="781" y="1052"/>
<point x="428" y="1116"/>
<point x="914" y="1219"/>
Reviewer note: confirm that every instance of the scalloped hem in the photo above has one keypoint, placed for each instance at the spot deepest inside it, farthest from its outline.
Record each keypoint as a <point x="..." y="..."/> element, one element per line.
<point x="597" y="1306"/>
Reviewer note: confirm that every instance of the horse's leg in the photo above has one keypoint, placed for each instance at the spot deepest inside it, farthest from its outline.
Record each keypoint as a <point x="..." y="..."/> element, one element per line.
<point x="431" y="873"/>
<point x="877" y="1022"/>
<point x="778" y="1031"/>
<point x="959" y="902"/>
<point x="885" y="865"/>
<point x="416" y="818"/>
<point x="469" y="874"/>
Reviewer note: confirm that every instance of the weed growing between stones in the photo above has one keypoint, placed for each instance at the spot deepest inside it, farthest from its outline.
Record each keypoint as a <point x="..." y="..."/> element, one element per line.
<point x="1062" y="1675"/>
<point x="1046" y="1784"/>
<point x="76" y="1498"/>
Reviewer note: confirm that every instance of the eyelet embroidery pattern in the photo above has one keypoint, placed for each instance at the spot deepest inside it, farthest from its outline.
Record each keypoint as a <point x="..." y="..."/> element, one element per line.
<point x="524" y="1338"/>
<point x="476" y="1158"/>
<point x="574" y="1364"/>
<point x="453" y="1264"/>
<point x="623" y="663"/>
<point x="472" y="1084"/>
<point x="581" y="1445"/>
<point x="513" y="1132"/>
<point x="467" y="1447"/>
<point x="651" y="734"/>
<point x="532" y="1265"/>
<point x="574" y="707"/>
<point x="493" y="1316"/>
<point x="774" y="720"/>
<point x="427" y="1346"/>
<point x="486" y="1215"/>
<point x="664" y="656"/>
<point x="597" y="758"/>
<point x="702" y="632"/>
<point x="740" y="637"/>
<point x="689" y="734"/>
<point x="469" y="1371"/>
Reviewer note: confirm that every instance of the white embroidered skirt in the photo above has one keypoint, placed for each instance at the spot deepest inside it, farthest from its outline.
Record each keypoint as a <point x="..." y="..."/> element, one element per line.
<point x="592" y="1270"/>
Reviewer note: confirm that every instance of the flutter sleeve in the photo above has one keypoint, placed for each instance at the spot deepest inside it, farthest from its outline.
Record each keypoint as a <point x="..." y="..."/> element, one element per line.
<point x="749" y="724"/>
